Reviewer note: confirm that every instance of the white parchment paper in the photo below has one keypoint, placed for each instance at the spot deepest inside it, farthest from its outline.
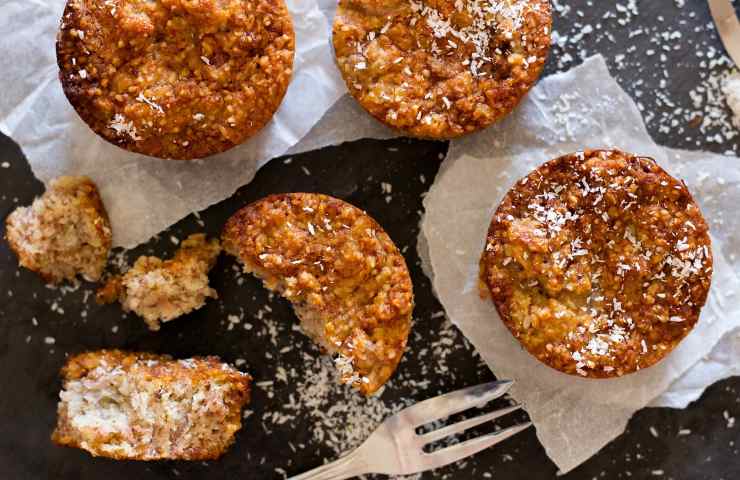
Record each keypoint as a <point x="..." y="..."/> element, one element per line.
<point x="145" y="195"/>
<point x="582" y="108"/>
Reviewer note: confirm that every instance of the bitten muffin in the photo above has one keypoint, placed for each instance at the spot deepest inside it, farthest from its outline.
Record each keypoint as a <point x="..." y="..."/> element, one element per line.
<point x="598" y="262"/>
<point x="140" y="406"/>
<point x="347" y="281"/>
<point x="176" y="79"/>
<point x="162" y="290"/>
<point x="444" y="68"/>
<point x="64" y="233"/>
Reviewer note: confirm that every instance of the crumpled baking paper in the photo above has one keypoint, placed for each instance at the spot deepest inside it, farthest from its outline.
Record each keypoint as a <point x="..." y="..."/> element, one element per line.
<point x="582" y="108"/>
<point x="145" y="195"/>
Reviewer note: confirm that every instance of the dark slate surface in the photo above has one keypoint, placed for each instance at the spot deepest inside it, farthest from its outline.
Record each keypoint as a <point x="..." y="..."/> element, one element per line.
<point x="29" y="366"/>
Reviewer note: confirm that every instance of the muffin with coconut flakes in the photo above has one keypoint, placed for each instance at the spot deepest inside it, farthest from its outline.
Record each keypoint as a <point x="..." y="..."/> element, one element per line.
<point x="444" y="68"/>
<point x="346" y="279"/>
<point x="177" y="79"/>
<point x="599" y="263"/>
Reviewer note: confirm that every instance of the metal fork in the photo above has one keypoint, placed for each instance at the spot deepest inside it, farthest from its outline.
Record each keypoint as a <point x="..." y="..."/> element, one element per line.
<point x="396" y="449"/>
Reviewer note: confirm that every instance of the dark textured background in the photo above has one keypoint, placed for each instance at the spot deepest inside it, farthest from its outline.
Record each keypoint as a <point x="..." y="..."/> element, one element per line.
<point x="354" y="172"/>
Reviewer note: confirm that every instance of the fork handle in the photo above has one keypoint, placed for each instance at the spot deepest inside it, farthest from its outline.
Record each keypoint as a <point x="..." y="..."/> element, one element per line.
<point x="346" y="467"/>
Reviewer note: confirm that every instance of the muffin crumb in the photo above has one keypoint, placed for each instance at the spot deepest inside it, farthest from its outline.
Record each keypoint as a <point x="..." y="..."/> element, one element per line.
<point x="162" y="290"/>
<point x="64" y="233"/>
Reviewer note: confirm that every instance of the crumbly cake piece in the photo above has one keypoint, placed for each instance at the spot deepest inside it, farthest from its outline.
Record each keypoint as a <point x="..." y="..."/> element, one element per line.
<point x="64" y="233"/>
<point x="347" y="281"/>
<point x="598" y="262"/>
<point x="162" y="290"/>
<point x="441" y="68"/>
<point x="176" y="79"/>
<point x="140" y="406"/>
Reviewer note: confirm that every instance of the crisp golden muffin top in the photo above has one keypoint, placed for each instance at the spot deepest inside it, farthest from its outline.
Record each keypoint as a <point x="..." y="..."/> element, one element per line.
<point x="346" y="279"/>
<point x="141" y="406"/>
<point x="177" y="79"/>
<point x="598" y="262"/>
<point x="441" y="68"/>
<point x="64" y="233"/>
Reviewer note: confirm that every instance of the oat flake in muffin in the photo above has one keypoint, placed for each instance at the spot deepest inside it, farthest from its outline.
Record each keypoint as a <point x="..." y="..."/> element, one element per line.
<point x="598" y="262"/>
<point x="441" y="68"/>
<point x="177" y="79"/>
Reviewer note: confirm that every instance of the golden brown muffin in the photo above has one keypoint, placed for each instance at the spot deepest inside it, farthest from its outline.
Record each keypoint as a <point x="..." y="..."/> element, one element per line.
<point x="140" y="406"/>
<point x="65" y="233"/>
<point x="163" y="290"/>
<point x="598" y="262"/>
<point x="177" y="79"/>
<point x="344" y="276"/>
<point x="441" y="68"/>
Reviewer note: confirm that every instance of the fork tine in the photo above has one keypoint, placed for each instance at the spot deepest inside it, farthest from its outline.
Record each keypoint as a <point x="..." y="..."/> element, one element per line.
<point x="466" y="425"/>
<point x="454" y="453"/>
<point x="455" y="402"/>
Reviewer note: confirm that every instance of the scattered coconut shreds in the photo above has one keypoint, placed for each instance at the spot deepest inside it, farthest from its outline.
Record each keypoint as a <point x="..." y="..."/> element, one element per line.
<point x="123" y="127"/>
<point x="683" y="100"/>
<point x="142" y="98"/>
<point x="340" y="419"/>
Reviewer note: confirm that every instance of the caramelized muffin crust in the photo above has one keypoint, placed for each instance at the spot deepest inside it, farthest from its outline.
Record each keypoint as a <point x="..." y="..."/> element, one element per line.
<point x="598" y="262"/>
<point x="346" y="279"/>
<point x="441" y="68"/>
<point x="175" y="79"/>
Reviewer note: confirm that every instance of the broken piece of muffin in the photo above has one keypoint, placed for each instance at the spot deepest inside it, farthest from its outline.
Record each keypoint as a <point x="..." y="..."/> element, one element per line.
<point x="140" y="406"/>
<point x="162" y="290"/>
<point x="64" y="233"/>
<point x="347" y="281"/>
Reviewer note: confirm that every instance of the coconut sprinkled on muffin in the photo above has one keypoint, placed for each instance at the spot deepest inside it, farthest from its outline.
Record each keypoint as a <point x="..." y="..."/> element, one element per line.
<point x="176" y="79"/>
<point x="441" y="69"/>
<point x="598" y="262"/>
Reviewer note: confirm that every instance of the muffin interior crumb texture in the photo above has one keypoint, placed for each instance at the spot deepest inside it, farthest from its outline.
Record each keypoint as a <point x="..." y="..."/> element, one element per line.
<point x="176" y="79"/>
<point x="163" y="290"/>
<point x="148" y="407"/>
<point x="346" y="280"/>
<point x="599" y="263"/>
<point x="443" y="68"/>
<point x="64" y="233"/>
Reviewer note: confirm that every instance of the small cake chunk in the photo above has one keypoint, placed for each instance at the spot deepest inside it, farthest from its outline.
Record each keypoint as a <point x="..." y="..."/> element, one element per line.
<point x="346" y="279"/>
<point x="64" y="233"/>
<point x="163" y="290"/>
<point x="140" y="406"/>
